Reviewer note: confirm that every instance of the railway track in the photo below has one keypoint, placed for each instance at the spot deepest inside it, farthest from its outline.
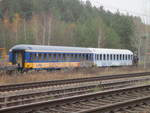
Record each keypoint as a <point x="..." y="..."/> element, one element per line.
<point x="128" y="100"/>
<point x="22" y="86"/>
<point x="138" y="105"/>
<point x="19" y="94"/>
<point x="20" y="98"/>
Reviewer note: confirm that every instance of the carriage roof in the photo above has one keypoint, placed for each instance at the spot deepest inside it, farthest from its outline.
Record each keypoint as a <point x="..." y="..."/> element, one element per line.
<point x="50" y="48"/>
<point x="110" y="51"/>
<point x="43" y="48"/>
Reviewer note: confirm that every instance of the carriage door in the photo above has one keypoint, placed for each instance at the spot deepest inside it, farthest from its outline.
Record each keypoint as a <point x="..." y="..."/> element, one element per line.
<point x="18" y="58"/>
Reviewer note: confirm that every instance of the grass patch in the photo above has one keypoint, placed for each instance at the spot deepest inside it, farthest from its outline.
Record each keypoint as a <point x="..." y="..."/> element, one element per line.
<point x="66" y="74"/>
<point x="96" y="89"/>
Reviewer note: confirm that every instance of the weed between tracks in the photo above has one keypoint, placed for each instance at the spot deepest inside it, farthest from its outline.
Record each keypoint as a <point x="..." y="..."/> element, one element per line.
<point x="96" y="89"/>
<point x="146" y="83"/>
<point x="66" y="74"/>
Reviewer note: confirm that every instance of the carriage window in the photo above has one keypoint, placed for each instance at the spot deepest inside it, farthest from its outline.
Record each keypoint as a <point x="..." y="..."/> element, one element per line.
<point x="114" y="57"/>
<point x="44" y="56"/>
<point x="100" y="56"/>
<point x="89" y="56"/>
<point x="86" y="57"/>
<point x="123" y="57"/>
<point x="129" y="57"/>
<point x="120" y="57"/>
<point x="59" y="57"/>
<point x="97" y="57"/>
<point x="73" y="56"/>
<point x="126" y="57"/>
<point x="117" y="57"/>
<point x="50" y="57"/>
<point x="63" y="57"/>
<point x="34" y="57"/>
<point x="54" y="57"/>
<point x="68" y="57"/>
<point x="80" y="57"/>
<point x="83" y="56"/>
<point x="31" y="56"/>
<point x="104" y="57"/>
<point x="107" y="56"/>
<point x="111" y="57"/>
<point x="77" y="56"/>
<point x="40" y="57"/>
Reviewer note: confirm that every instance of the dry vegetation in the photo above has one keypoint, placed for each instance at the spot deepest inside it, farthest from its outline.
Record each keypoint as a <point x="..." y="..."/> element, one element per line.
<point x="66" y="74"/>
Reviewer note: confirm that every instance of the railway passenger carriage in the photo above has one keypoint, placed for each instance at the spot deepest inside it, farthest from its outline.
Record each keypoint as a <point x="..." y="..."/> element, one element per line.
<point x="57" y="57"/>
<point x="112" y="57"/>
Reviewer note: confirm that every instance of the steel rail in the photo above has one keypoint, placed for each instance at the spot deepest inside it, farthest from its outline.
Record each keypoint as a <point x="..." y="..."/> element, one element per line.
<point x="121" y="106"/>
<point x="47" y="94"/>
<point x="21" y="86"/>
<point x="69" y="103"/>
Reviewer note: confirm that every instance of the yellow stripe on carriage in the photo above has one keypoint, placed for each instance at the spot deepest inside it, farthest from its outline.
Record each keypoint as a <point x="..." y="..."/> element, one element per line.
<point x="52" y="65"/>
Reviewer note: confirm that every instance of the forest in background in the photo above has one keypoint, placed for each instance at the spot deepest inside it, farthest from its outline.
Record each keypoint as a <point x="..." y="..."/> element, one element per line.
<point x="67" y="23"/>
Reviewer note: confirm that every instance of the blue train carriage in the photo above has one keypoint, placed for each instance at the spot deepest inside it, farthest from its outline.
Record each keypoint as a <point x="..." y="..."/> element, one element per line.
<point x="57" y="57"/>
<point x="112" y="57"/>
<point x="50" y="57"/>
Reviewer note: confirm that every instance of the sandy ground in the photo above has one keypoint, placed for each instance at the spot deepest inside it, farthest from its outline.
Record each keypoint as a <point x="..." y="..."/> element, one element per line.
<point x="66" y="74"/>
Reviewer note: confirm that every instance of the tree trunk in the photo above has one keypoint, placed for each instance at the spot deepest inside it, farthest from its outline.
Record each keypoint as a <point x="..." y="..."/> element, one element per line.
<point x="44" y="30"/>
<point x="49" y="31"/>
<point x="24" y="28"/>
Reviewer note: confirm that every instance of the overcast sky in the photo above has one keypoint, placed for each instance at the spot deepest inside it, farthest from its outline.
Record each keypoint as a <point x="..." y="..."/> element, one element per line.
<point x="135" y="7"/>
